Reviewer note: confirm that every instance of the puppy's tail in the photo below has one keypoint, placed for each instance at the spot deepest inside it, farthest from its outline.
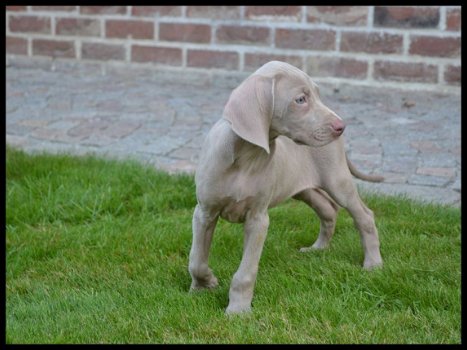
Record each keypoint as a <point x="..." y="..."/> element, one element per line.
<point x="360" y="175"/>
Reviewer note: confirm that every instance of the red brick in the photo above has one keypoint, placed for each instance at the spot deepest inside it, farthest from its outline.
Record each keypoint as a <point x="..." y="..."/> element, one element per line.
<point x="435" y="46"/>
<point x="16" y="8"/>
<point x="103" y="10"/>
<point x="129" y="28"/>
<point x="53" y="48"/>
<point x="54" y="8"/>
<point x="313" y="39"/>
<point x="99" y="51"/>
<point x="31" y="24"/>
<point x="243" y="35"/>
<point x="213" y="12"/>
<point x="18" y="46"/>
<point x="406" y="16"/>
<point x="164" y="55"/>
<point x="452" y="75"/>
<point x="338" y="15"/>
<point x="255" y="60"/>
<point x="336" y="67"/>
<point x="279" y="13"/>
<point x="371" y="42"/>
<point x="151" y="11"/>
<point x="453" y="19"/>
<point x="77" y="26"/>
<point x="197" y="33"/>
<point x="403" y="71"/>
<point x="212" y="59"/>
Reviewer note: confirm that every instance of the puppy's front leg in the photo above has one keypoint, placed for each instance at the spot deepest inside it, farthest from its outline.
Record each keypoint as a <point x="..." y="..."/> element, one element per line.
<point x="243" y="282"/>
<point x="204" y="224"/>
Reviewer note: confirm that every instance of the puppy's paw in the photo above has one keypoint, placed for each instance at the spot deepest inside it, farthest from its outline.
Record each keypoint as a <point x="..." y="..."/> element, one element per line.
<point x="316" y="246"/>
<point x="234" y="309"/>
<point x="372" y="264"/>
<point x="199" y="284"/>
<point x="306" y="249"/>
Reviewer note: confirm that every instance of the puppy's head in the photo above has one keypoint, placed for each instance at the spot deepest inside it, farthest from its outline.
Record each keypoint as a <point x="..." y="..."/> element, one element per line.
<point x="279" y="99"/>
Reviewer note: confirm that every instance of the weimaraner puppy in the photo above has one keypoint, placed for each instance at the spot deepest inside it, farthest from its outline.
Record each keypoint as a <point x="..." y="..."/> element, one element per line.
<point x="275" y="140"/>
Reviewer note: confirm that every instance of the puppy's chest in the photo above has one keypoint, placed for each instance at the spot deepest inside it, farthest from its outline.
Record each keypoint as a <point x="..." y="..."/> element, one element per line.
<point x="234" y="210"/>
<point x="243" y="192"/>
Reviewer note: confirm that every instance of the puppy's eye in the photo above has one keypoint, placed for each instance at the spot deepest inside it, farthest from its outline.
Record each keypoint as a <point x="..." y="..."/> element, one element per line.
<point x="300" y="100"/>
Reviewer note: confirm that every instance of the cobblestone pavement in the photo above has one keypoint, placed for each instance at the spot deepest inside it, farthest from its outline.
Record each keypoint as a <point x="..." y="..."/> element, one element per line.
<point x="412" y="138"/>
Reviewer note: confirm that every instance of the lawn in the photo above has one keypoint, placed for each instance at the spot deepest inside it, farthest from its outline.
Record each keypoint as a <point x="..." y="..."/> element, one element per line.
<point x="97" y="252"/>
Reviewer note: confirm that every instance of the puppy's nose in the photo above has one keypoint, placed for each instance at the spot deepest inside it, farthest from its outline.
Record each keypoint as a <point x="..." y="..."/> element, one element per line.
<point x="338" y="126"/>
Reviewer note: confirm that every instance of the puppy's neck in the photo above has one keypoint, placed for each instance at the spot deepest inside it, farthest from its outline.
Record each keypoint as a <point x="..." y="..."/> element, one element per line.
<point x="248" y="155"/>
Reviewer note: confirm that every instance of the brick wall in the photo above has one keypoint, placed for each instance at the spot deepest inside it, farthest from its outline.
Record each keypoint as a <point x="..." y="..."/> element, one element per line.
<point x="408" y="47"/>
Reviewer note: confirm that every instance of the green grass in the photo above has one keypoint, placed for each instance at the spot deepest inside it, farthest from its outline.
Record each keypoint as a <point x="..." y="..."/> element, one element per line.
<point x="97" y="252"/>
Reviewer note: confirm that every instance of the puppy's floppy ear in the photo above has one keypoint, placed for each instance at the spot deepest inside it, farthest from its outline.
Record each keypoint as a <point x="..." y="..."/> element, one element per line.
<point x="250" y="108"/>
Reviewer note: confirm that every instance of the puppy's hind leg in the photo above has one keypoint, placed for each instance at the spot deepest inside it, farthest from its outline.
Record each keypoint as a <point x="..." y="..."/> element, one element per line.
<point x="204" y="224"/>
<point x="326" y="209"/>
<point x="347" y="196"/>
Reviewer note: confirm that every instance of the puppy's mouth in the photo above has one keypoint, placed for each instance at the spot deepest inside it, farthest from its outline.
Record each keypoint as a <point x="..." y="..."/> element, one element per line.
<point x="301" y="143"/>
<point x="316" y="141"/>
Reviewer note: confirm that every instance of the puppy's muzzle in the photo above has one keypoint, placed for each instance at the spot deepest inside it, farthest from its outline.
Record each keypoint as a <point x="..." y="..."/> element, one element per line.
<point x="337" y="127"/>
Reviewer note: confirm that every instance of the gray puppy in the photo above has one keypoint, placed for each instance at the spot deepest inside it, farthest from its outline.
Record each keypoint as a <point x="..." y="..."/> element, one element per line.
<point x="275" y="140"/>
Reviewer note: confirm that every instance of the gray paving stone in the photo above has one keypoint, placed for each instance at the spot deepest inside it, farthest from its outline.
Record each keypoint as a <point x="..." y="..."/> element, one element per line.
<point x="400" y="163"/>
<point x="368" y="161"/>
<point x="161" y="145"/>
<point x="444" y="160"/>
<point x="98" y="140"/>
<point x="18" y="141"/>
<point x="426" y="146"/>
<point x="121" y="128"/>
<point x="62" y="125"/>
<point x="58" y="135"/>
<point x="187" y="153"/>
<point x="399" y="149"/>
<point x="456" y="186"/>
<point x="429" y="194"/>
<point x="426" y="180"/>
<point x="443" y="172"/>
<point x="89" y="127"/>
<point x="59" y="103"/>
<point x="34" y="123"/>
<point x="19" y="129"/>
